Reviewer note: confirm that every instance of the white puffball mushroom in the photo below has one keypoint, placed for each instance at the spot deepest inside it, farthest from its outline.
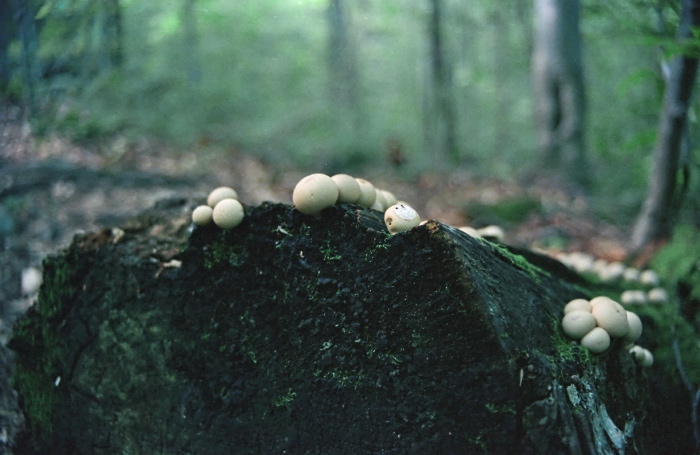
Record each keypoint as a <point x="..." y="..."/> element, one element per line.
<point x="612" y="272"/>
<point x="596" y="341"/>
<point x="648" y="359"/>
<point x="580" y="262"/>
<point x="633" y="297"/>
<point x="577" y="323"/>
<point x="635" y="327"/>
<point x="577" y="305"/>
<point x="379" y="203"/>
<point x="649" y="277"/>
<point x="348" y="189"/>
<point x="314" y="193"/>
<point x="202" y="215"/>
<point x="400" y="217"/>
<point x="610" y="316"/>
<point x="389" y="198"/>
<point x="657" y="295"/>
<point x="471" y="231"/>
<point x="492" y="232"/>
<point x="228" y="214"/>
<point x="368" y="194"/>
<point x="637" y="353"/>
<point x="219" y="194"/>
<point x="631" y="274"/>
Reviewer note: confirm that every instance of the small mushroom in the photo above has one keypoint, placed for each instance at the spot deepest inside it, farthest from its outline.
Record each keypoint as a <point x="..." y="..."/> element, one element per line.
<point x="649" y="277"/>
<point x="648" y="359"/>
<point x="389" y="198"/>
<point x="314" y="193"/>
<point x="610" y="316"/>
<point x="219" y="194"/>
<point x="492" y="232"/>
<point x="471" y="231"/>
<point x="379" y="203"/>
<point x="577" y="323"/>
<point x="657" y="295"/>
<point x="633" y="297"/>
<point x="368" y="194"/>
<point x="635" y="327"/>
<point x="637" y="353"/>
<point x="348" y="189"/>
<point x="400" y="217"/>
<point x="202" y="215"/>
<point x="596" y="341"/>
<point x="577" y="304"/>
<point x="228" y="213"/>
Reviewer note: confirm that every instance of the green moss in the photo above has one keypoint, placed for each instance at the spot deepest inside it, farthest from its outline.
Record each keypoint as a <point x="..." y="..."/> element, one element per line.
<point x="517" y="260"/>
<point x="42" y="361"/>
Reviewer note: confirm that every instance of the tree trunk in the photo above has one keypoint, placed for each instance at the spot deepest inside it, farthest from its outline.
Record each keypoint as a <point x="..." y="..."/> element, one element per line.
<point x="342" y="63"/>
<point x="5" y="38"/>
<point x="557" y="70"/>
<point x="443" y="115"/>
<point x="313" y="334"/>
<point x="28" y="35"/>
<point x="191" y="42"/>
<point x="662" y="204"/>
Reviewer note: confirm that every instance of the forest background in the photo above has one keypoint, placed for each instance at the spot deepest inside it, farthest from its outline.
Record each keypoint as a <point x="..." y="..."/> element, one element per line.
<point x="398" y="87"/>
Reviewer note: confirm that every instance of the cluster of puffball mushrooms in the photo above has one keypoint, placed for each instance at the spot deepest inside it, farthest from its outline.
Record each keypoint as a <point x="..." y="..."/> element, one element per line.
<point x="594" y="323"/>
<point x="311" y="195"/>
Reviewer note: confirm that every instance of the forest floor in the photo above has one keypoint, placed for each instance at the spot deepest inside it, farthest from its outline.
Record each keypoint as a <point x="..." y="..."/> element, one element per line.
<point x="51" y="189"/>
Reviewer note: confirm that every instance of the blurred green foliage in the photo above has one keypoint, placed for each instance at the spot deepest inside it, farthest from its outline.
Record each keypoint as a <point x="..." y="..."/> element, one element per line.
<point x="255" y="75"/>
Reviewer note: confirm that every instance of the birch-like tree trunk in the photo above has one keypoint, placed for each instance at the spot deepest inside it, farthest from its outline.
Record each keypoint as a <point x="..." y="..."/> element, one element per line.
<point x="663" y="199"/>
<point x="559" y="88"/>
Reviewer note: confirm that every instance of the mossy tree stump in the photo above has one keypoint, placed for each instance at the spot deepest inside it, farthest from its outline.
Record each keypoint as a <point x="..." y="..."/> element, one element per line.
<point x="312" y="334"/>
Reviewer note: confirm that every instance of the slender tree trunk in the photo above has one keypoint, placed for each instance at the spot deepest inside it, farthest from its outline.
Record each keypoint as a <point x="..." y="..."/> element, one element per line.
<point x="662" y="203"/>
<point x="445" y="116"/>
<point x="191" y="42"/>
<point x="342" y="63"/>
<point x="5" y="38"/>
<point x="557" y="68"/>
<point x="24" y="18"/>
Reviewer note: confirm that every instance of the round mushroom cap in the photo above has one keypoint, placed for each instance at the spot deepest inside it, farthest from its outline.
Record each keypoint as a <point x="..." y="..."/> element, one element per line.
<point x="368" y="194"/>
<point x="348" y="189"/>
<point x="637" y="353"/>
<point x="657" y="295"/>
<point x="314" y="193"/>
<point x="577" y="304"/>
<point x="610" y="315"/>
<point x="633" y="297"/>
<point x="470" y="230"/>
<point x="379" y="202"/>
<point x="635" y="327"/>
<point x="219" y="194"/>
<point x="400" y="217"/>
<point x="577" y="323"/>
<point x="492" y="232"/>
<point x="648" y="359"/>
<point x="202" y="215"/>
<point x="389" y="198"/>
<point x="228" y="213"/>
<point x="649" y="277"/>
<point x="596" y="341"/>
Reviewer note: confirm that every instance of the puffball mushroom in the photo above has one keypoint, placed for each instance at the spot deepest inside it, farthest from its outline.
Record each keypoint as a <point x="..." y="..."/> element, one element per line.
<point x="610" y="316"/>
<point x="649" y="277"/>
<point x="633" y="297"/>
<point x="400" y="217"/>
<point x="219" y="194"/>
<point x="228" y="213"/>
<point x="642" y="355"/>
<point x="314" y="193"/>
<point x="348" y="189"/>
<point x="389" y="198"/>
<point x="368" y="194"/>
<point x="596" y="341"/>
<point x="492" y="232"/>
<point x="578" y="323"/>
<point x="657" y="295"/>
<point x="379" y="203"/>
<point x="577" y="305"/>
<point x="635" y="327"/>
<point x="202" y="215"/>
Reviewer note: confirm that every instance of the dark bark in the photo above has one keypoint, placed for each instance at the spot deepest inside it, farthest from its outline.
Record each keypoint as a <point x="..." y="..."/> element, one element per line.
<point x="6" y="24"/>
<point x="26" y="28"/>
<point x="342" y="63"/>
<point x="663" y="200"/>
<point x="559" y="88"/>
<point x="191" y="42"/>
<point x="443" y="115"/>
<point x="303" y="334"/>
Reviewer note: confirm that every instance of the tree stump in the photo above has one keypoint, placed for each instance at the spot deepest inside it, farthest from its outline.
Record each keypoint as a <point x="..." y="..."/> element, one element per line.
<point x="313" y="334"/>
